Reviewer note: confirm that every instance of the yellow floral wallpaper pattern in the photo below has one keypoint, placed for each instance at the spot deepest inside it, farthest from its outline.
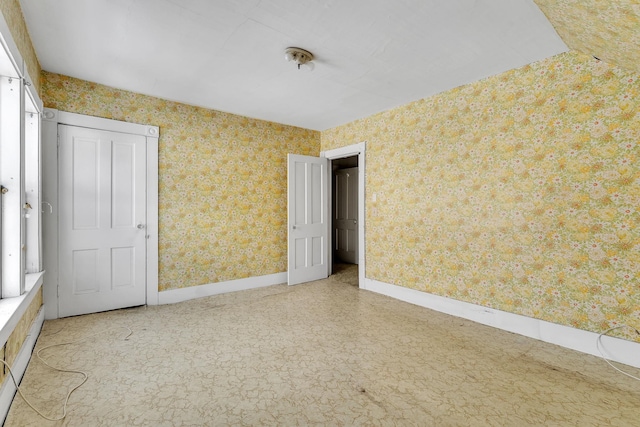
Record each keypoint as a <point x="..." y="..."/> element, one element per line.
<point x="519" y="192"/>
<point x="12" y="13"/>
<point x="222" y="178"/>
<point x="19" y="335"/>
<point x="609" y="29"/>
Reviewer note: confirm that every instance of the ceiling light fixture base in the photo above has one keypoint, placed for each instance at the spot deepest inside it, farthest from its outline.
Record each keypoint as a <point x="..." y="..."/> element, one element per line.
<point x="300" y="57"/>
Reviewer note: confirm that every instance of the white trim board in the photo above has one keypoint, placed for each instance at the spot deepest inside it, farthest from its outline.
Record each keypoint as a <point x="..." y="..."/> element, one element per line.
<point x="192" y="292"/>
<point x="8" y="390"/>
<point x="12" y="309"/>
<point x="6" y="39"/>
<point x="616" y="349"/>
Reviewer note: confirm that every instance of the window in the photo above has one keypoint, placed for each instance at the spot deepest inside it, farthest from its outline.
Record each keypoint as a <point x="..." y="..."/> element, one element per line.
<point x="32" y="180"/>
<point x="19" y="176"/>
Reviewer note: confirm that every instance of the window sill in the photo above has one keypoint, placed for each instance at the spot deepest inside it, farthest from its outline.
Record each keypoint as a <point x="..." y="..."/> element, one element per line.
<point x="12" y="309"/>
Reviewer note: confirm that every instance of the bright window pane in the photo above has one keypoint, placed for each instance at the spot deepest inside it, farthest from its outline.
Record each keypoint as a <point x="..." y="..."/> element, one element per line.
<point x="7" y="67"/>
<point x="32" y="186"/>
<point x="11" y="161"/>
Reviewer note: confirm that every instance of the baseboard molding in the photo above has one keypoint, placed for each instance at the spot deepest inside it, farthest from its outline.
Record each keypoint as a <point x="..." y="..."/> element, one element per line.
<point x="8" y="390"/>
<point x="184" y="294"/>
<point x="620" y="350"/>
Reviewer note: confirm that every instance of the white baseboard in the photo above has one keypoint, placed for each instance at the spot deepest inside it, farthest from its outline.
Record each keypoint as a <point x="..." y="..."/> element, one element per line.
<point x="8" y="390"/>
<point x="617" y="349"/>
<point x="184" y="294"/>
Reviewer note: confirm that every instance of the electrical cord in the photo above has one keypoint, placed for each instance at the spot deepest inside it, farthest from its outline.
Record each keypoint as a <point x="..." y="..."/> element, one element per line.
<point x="85" y="376"/>
<point x="599" y="343"/>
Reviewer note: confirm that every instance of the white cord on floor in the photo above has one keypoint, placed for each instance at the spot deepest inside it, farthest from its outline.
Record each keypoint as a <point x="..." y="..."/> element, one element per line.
<point x="84" y="374"/>
<point x="599" y="343"/>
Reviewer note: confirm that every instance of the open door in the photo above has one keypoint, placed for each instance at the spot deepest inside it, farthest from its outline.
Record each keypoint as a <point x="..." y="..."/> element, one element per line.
<point x="308" y="223"/>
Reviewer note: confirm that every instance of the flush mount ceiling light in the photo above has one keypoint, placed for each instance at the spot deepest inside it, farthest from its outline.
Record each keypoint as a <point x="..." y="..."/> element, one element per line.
<point x="300" y="56"/>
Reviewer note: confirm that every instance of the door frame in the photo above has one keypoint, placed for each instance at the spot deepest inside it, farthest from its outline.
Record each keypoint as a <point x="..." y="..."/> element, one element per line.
<point x="359" y="150"/>
<point x="51" y="119"/>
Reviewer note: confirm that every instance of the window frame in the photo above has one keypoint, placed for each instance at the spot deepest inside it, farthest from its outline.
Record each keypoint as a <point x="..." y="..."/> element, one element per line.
<point x="20" y="219"/>
<point x="33" y="182"/>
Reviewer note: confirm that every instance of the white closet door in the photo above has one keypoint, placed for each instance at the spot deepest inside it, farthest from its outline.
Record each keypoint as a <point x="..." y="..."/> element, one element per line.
<point x="102" y="220"/>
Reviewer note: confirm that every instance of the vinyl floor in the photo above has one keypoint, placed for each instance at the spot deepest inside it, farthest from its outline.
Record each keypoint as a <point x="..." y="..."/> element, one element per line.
<point x="322" y="353"/>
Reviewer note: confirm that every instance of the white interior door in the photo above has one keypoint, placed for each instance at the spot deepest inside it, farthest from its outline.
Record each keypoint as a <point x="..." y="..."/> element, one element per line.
<point x="308" y="219"/>
<point x="102" y="185"/>
<point x="346" y="215"/>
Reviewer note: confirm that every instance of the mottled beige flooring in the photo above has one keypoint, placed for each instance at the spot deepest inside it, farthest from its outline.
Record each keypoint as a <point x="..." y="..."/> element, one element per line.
<point x="323" y="353"/>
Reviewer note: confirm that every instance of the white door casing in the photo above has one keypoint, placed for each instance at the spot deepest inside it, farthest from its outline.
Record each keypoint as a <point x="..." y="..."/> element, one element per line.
<point x="50" y="200"/>
<point x="308" y="219"/>
<point x="102" y="220"/>
<point x="359" y="150"/>
<point x="346" y="215"/>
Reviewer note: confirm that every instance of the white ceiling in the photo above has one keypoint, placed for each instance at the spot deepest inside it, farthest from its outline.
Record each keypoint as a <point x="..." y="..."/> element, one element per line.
<point x="371" y="55"/>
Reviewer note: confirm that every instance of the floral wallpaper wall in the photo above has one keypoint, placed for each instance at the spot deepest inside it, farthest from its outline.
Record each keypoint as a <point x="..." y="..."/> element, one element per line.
<point x="12" y="13"/>
<point x="610" y="30"/>
<point x="19" y="335"/>
<point x="223" y="181"/>
<point x="519" y="192"/>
